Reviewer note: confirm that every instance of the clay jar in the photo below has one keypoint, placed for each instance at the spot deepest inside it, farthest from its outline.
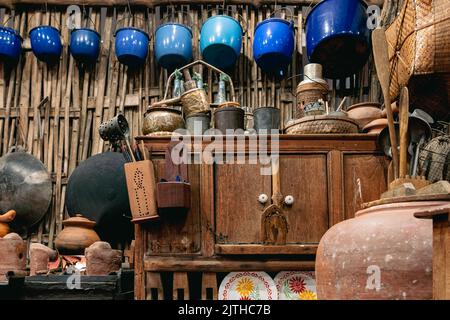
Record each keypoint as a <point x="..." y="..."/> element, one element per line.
<point x="77" y="235"/>
<point x="364" y="113"/>
<point x="385" y="243"/>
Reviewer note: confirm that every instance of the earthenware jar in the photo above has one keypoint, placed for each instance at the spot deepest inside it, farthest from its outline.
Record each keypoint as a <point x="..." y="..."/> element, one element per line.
<point x="77" y="235"/>
<point x="382" y="253"/>
<point x="364" y="112"/>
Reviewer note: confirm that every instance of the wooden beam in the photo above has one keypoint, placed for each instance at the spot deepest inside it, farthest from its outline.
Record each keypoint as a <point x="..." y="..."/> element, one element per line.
<point x="162" y="264"/>
<point x="153" y="3"/>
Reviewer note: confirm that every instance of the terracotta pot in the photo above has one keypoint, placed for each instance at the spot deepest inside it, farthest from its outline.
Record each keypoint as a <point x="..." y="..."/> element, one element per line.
<point x="162" y="119"/>
<point x="385" y="240"/>
<point x="13" y="253"/>
<point x="376" y="126"/>
<point x="364" y="112"/>
<point x="77" y="235"/>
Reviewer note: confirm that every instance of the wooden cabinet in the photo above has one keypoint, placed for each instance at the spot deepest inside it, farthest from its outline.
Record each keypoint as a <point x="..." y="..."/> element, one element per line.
<point x="328" y="176"/>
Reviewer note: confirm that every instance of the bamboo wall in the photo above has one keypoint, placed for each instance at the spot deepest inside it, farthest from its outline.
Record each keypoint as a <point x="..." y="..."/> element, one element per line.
<point x="63" y="131"/>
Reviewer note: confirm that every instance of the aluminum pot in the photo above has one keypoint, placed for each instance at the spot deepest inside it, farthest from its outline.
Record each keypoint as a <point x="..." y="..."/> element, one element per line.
<point x="337" y="36"/>
<point x="273" y="45"/>
<point x="162" y="119"/>
<point x="229" y="118"/>
<point x="10" y="45"/>
<point x="85" y="45"/>
<point x="266" y="119"/>
<point x="198" y="123"/>
<point x="46" y="43"/>
<point x="173" y="45"/>
<point x="221" y="41"/>
<point x="131" y="46"/>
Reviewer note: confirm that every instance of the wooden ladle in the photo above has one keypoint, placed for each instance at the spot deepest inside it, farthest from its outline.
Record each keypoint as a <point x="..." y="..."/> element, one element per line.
<point x="381" y="57"/>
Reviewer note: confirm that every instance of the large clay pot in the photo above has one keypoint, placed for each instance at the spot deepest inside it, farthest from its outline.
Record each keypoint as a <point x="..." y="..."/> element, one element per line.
<point x="385" y="240"/>
<point x="77" y="235"/>
<point x="364" y="112"/>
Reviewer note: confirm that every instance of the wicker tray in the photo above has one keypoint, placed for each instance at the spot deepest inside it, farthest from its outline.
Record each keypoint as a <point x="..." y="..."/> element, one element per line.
<point x="322" y="124"/>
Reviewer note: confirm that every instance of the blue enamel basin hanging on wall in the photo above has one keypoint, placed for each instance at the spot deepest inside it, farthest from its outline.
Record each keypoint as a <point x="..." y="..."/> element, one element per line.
<point x="173" y="45"/>
<point x="10" y="45"/>
<point x="131" y="46"/>
<point x="46" y="43"/>
<point x="221" y="41"/>
<point x="337" y="36"/>
<point x="85" y="45"/>
<point x="273" y="45"/>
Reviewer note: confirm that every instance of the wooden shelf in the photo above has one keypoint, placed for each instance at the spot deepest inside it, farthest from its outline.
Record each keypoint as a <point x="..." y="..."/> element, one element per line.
<point x="251" y="249"/>
<point x="173" y="264"/>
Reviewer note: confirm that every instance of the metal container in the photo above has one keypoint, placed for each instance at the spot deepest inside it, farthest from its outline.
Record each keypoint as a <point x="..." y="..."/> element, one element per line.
<point x="46" y="43"/>
<point x="85" y="45"/>
<point x="10" y="45"/>
<point x="266" y="119"/>
<point x="221" y="41"/>
<point x="173" y="45"/>
<point x="229" y="118"/>
<point x="131" y="46"/>
<point x="162" y="119"/>
<point x="337" y="36"/>
<point x="198" y="123"/>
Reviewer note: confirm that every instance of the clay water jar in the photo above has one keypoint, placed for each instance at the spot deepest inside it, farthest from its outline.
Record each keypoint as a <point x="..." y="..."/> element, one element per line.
<point x="77" y="235"/>
<point x="375" y="126"/>
<point x="386" y="240"/>
<point x="364" y="112"/>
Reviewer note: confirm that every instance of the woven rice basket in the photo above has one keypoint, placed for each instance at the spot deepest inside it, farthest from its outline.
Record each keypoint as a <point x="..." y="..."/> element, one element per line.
<point x="322" y="124"/>
<point x="419" y="41"/>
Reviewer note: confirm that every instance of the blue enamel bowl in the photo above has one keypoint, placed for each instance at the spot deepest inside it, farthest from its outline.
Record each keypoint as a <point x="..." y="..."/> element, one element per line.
<point x="85" y="45"/>
<point x="131" y="46"/>
<point x="337" y="36"/>
<point x="10" y="44"/>
<point x="46" y="43"/>
<point x="173" y="45"/>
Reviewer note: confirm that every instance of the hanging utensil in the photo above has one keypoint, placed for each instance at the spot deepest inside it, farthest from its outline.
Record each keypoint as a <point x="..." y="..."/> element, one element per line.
<point x="404" y="116"/>
<point x="381" y="57"/>
<point x="117" y="129"/>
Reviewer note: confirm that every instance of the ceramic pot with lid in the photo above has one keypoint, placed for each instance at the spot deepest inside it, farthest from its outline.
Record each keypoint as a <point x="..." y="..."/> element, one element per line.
<point x="77" y="235"/>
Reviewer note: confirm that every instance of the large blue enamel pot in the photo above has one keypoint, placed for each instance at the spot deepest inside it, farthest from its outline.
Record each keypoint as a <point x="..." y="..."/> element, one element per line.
<point x="10" y="44"/>
<point x="46" y="43"/>
<point x="173" y="45"/>
<point x="337" y="36"/>
<point x="273" y="45"/>
<point x="221" y="41"/>
<point x="85" y="45"/>
<point x="131" y="46"/>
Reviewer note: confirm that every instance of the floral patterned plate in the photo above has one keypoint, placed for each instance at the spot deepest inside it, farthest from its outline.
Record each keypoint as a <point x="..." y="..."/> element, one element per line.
<point x="296" y="285"/>
<point x="248" y="286"/>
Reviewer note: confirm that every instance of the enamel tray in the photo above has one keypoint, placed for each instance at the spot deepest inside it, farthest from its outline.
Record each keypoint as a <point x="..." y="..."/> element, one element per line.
<point x="248" y="286"/>
<point x="296" y="285"/>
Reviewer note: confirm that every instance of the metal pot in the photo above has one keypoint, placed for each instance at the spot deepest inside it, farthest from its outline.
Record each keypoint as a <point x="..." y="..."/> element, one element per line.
<point x="273" y="45"/>
<point x="131" y="46"/>
<point x="221" y="41"/>
<point x="173" y="45"/>
<point x="337" y="36"/>
<point x="162" y="119"/>
<point x="198" y="123"/>
<point x="77" y="235"/>
<point x="229" y="118"/>
<point x="85" y="45"/>
<point x="46" y="43"/>
<point x="266" y="119"/>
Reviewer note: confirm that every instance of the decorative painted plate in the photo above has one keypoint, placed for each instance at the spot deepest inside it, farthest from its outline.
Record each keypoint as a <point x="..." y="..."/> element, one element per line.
<point x="296" y="285"/>
<point x="248" y="286"/>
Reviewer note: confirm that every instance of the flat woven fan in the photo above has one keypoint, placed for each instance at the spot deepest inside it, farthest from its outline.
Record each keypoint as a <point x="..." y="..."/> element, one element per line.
<point x="419" y="41"/>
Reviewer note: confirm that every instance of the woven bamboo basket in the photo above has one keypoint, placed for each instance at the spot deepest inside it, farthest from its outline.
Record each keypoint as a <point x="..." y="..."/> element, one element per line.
<point x="309" y="93"/>
<point x="322" y="124"/>
<point x="419" y="41"/>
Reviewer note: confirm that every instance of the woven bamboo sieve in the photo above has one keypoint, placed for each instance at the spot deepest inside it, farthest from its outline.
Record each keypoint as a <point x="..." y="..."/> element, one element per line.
<point x="322" y="124"/>
<point x="419" y="41"/>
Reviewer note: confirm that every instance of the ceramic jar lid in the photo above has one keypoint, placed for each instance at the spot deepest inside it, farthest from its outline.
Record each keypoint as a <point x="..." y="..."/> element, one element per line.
<point x="79" y="221"/>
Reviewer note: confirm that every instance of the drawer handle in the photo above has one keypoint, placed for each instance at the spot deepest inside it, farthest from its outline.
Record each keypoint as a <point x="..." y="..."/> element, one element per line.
<point x="263" y="198"/>
<point x="289" y="200"/>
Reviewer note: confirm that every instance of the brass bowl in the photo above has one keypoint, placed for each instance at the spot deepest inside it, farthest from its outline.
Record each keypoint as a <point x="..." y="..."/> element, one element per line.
<point x="162" y="119"/>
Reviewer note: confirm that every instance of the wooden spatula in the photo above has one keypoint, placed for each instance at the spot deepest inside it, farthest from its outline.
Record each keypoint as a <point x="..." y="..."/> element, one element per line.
<point x="404" y="117"/>
<point x="380" y="54"/>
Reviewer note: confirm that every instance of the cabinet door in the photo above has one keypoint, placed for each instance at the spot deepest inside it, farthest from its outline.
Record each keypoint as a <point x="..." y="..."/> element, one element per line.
<point x="365" y="179"/>
<point x="239" y="215"/>
<point x="178" y="233"/>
